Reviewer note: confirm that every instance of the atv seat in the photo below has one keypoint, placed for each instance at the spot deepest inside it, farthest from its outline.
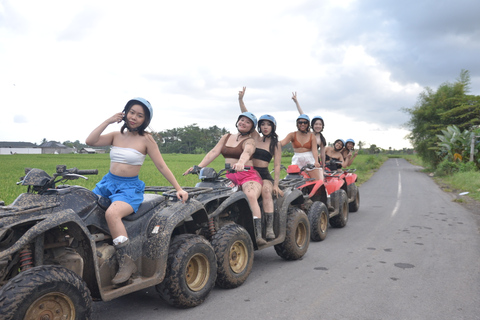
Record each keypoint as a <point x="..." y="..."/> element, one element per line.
<point x="150" y="201"/>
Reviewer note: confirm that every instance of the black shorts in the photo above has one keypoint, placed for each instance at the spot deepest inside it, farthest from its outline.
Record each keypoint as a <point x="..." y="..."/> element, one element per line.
<point x="264" y="173"/>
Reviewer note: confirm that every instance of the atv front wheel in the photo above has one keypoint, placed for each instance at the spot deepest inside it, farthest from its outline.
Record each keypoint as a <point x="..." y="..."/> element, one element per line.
<point x="340" y="220"/>
<point x="191" y="272"/>
<point x="297" y="237"/>
<point x="45" y="292"/>
<point x="318" y="218"/>
<point x="234" y="250"/>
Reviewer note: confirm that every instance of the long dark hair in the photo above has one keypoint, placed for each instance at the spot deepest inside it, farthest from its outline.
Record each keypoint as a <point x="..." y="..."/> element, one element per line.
<point x="273" y="136"/>
<point x="141" y="130"/>
<point x="322" y="138"/>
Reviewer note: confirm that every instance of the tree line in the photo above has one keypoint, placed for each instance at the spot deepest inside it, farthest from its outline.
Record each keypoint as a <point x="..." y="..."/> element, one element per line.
<point x="188" y="140"/>
<point x="444" y="123"/>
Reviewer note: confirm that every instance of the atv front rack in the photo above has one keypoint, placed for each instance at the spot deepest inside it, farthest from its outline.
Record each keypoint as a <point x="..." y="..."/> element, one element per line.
<point x="172" y="193"/>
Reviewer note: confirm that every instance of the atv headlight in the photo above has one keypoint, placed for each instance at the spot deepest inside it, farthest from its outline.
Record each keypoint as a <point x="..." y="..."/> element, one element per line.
<point x="207" y="174"/>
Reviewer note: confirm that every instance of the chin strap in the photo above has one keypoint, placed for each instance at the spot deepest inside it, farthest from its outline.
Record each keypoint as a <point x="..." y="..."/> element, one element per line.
<point x="130" y="129"/>
<point x="242" y="134"/>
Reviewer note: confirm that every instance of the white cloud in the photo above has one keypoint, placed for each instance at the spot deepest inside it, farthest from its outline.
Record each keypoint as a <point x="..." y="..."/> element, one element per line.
<point x="65" y="67"/>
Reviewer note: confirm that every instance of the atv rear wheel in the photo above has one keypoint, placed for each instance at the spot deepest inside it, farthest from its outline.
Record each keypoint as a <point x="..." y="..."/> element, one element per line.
<point x="318" y="218"/>
<point x="234" y="250"/>
<point x="45" y="292"/>
<point x="355" y="204"/>
<point x="297" y="237"/>
<point x="340" y="220"/>
<point x="191" y="271"/>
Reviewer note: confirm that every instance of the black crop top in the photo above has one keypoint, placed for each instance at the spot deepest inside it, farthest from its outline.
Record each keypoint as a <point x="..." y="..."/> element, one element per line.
<point x="335" y="166"/>
<point x="262" y="154"/>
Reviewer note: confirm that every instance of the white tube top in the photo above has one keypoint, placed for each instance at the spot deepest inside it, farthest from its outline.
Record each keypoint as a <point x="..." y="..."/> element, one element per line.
<point x="127" y="155"/>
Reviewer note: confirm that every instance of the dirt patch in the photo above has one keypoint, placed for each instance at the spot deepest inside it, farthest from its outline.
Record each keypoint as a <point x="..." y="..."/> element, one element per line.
<point x="465" y="201"/>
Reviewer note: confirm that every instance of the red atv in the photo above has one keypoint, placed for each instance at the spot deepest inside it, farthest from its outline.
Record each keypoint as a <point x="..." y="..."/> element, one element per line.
<point x="324" y="200"/>
<point x="350" y="178"/>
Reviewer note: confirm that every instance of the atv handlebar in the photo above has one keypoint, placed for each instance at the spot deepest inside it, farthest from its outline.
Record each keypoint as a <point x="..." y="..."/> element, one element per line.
<point x="62" y="169"/>
<point x="87" y="172"/>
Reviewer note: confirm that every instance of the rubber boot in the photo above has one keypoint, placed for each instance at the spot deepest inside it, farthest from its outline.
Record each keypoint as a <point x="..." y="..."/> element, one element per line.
<point x="126" y="266"/>
<point x="258" y="232"/>
<point x="269" y="230"/>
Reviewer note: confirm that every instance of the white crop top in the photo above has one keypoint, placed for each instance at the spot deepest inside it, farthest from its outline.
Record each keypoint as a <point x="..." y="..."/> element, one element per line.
<point x="127" y="155"/>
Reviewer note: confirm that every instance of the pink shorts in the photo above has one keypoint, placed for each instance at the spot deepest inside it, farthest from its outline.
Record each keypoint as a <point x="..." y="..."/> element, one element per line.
<point x="241" y="177"/>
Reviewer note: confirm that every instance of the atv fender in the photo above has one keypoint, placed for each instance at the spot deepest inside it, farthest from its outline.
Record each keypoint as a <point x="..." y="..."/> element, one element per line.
<point x="163" y="223"/>
<point x="45" y="223"/>
<point x="334" y="185"/>
<point x="318" y="184"/>
<point x="350" y="178"/>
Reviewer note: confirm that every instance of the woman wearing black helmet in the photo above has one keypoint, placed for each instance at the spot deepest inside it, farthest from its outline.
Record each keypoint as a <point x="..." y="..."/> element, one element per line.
<point x="266" y="148"/>
<point x="317" y="127"/>
<point x="305" y="146"/>
<point x="237" y="149"/>
<point x="121" y="184"/>
<point x="349" y="154"/>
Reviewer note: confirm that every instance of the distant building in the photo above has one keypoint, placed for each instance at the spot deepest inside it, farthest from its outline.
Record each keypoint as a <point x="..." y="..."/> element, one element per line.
<point x="88" y="150"/>
<point x="53" y="147"/>
<point x="14" y="147"/>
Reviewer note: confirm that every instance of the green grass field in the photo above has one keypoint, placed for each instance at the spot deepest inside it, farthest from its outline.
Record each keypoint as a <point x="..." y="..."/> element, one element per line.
<point x="13" y="167"/>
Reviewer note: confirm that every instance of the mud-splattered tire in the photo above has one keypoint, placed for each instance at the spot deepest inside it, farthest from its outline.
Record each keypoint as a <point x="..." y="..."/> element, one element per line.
<point x="234" y="250"/>
<point x="355" y="204"/>
<point x="45" y="292"/>
<point x="318" y="218"/>
<point x="191" y="272"/>
<point x="297" y="237"/>
<point x="340" y="220"/>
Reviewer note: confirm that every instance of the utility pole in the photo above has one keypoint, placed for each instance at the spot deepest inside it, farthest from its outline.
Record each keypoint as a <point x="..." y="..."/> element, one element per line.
<point x="472" y="146"/>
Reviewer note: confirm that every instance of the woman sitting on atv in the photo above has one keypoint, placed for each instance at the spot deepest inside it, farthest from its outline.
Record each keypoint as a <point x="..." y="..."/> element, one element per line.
<point x="335" y="153"/>
<point x="238" y="149"/>
<point x="266" y="148"/>
<point x="348" y="152"/>
<point x="121" y="184"/>
<point x="317" y="127"/>
<point x="305" y="146"/>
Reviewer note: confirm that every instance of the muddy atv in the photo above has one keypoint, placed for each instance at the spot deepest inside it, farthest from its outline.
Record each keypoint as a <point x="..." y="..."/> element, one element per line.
<point x="231" y="227"/>
<point x="56" y="252"/>
<point x="324" y="200"/>
<point x="350" y="178"/>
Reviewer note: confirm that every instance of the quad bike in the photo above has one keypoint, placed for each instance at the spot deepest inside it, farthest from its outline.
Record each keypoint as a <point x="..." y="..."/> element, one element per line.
<point x="231" y="227"/>
<point x="324" y="200"/>
<point x="56" y="252"/>
<point x="350" y="178"/>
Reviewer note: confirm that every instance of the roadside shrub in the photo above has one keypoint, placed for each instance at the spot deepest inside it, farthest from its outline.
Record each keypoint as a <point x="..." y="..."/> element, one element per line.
<point x="467" y="167"/>
<point x="446" y="167"/>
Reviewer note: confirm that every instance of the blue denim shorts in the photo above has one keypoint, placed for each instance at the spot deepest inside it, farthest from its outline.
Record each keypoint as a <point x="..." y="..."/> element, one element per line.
<point x="126" y="189"/>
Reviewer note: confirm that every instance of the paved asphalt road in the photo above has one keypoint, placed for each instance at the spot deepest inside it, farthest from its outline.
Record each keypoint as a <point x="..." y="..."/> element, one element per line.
<point x="408" y="253"/>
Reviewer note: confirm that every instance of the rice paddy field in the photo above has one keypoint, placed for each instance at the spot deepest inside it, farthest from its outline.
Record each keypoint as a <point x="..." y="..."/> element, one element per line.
<point x="12" y="168"/>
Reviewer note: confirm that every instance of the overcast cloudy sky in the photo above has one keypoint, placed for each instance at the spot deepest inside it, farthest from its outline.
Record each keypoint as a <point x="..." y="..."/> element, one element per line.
<point x="65" y="66"/>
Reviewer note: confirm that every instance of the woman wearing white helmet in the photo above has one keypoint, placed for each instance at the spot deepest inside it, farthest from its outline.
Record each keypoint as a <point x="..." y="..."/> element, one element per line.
<point x="304" y="145"/>
<point x="267" y="146"/>
<point x="317" y="125"/>
<point x="237" y="149"/>
<point x="121" y="184"/>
